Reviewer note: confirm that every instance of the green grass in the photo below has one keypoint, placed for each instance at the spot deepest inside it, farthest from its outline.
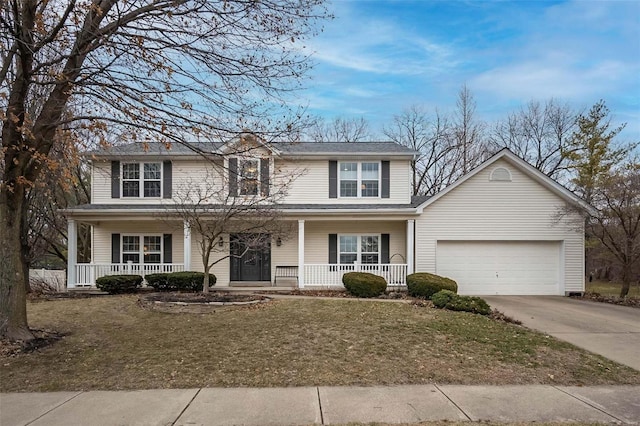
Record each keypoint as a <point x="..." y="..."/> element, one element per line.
<point x="112" y="343"/>
<point x="607" y="288"/>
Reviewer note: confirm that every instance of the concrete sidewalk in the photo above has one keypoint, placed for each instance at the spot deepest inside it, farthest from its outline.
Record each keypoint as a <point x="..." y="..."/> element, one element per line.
<point x="325" y="405"/>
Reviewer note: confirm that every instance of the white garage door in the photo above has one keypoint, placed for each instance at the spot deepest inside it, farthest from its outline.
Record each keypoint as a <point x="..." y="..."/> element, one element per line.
<point x="501" y="267"/>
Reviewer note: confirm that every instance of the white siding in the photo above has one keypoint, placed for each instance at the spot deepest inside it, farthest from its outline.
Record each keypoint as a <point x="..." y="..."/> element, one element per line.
<point x="483" y="210"/>
<point x="310" y="186"/>
<point x="101" y="183"/>
<point x="316" y="244"/>
<point x="102" y="236"/>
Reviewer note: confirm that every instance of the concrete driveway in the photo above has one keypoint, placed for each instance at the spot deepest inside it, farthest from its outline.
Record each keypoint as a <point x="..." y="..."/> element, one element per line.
<point x="609" y="330"/>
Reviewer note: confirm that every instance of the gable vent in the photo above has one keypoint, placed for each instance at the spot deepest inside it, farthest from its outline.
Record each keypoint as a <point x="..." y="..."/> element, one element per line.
<point x="500" y="174"/>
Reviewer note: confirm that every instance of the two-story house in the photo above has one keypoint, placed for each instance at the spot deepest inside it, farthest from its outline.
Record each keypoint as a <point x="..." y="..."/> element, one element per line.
<point x="504" y="228"/>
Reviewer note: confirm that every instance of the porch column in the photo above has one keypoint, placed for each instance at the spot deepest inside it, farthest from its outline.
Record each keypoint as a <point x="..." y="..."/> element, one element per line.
<point x="72" y="252"/>
<point x="411" y="227"/>
<point x="301" y="253"/>
<point x="187" y="246"/>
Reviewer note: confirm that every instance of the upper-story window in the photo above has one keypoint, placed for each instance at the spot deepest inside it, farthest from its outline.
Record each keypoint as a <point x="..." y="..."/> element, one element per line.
<point x="141" y="179"/>
<point x="359" y="179"/>
<point x="249" y="177"/>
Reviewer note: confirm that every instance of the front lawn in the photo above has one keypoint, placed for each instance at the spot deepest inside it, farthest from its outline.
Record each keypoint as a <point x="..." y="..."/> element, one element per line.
<point x="112" y="343"/>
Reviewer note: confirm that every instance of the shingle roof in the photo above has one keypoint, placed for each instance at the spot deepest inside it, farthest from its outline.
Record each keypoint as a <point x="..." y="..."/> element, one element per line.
<point x="285" y="148"/>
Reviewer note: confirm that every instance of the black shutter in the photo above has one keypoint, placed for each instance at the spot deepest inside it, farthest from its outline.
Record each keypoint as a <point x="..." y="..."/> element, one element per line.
<point x="115" y="179"/>
<point x="384" y="249"/>
<point x="167" y="177"/>
<point x="115" y="248"/>
<point x="264" y="176"/>
<point x="168" y="248"/>
<point x="385" y="180"/>
<point x="333" y="179"/>
<point x="333" y="248"/>
<point x="233" y="177"/>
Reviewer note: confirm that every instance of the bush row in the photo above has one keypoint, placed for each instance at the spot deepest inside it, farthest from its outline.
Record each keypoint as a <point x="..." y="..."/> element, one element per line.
<point x="114" y="284"/>
<point x="179" y="281"/>
<point x="174" y="281"/>
<point x="443" y="293"/>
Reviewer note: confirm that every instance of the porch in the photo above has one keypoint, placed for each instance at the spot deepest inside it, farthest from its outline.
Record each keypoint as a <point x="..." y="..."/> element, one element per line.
<point x="382" y="247"/>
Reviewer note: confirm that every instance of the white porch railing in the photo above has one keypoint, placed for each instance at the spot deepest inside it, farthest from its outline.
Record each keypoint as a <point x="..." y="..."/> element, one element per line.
<point x="330" y="275"/>
<point x="87" y="273"/>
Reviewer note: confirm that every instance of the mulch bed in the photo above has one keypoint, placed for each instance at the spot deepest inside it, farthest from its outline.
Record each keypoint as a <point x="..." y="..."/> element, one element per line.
<point x="200" y="303"/>
<point x="634" y="302"/>
<point x="338" y="293"/>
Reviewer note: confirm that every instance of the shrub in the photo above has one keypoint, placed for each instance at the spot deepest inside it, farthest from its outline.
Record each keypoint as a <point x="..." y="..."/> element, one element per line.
<point x="158" y="281"/>
<point x="446" y="299"/>
<point x="423" y="284"/>
<point x="187" y="281"/>
<point x="364" y="284"/>
<point x="114" y="284"/>
<point x="441" y="298"/>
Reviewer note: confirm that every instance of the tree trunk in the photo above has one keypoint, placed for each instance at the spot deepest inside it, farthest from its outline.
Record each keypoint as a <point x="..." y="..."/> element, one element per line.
<point x="626" y="280"/>
<point x="13" y="279"/>
<point x="205" y="282"/>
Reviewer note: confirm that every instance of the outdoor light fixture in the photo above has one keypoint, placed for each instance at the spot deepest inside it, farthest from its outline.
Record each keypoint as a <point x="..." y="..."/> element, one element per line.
<point x="220" y="242"/>
<point x="279" y="242"/>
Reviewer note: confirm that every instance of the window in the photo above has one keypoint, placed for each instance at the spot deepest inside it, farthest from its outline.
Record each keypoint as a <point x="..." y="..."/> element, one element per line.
<point x="130" y="248"/>
<point x="249" y="177"/>
<point x="152" y="249"/>
<point x="359" y="179"/>
<point x="149" y="252"/>
<point x="145" y="175"/>
<point x="348" y="248"/>
<point x="364" y="249"/>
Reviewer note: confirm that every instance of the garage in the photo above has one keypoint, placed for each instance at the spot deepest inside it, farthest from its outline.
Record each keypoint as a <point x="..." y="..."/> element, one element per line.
<point x="502" y="267"/>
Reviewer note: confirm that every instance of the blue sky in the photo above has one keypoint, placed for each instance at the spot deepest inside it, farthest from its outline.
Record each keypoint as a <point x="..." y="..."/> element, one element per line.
<point x="378" y="57"/>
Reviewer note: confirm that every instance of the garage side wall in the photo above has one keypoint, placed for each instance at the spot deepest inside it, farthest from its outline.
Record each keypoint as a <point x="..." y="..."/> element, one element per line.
<point x="517" y="210"/>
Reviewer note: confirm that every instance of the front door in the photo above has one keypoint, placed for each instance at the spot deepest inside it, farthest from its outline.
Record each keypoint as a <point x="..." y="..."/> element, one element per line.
<point x="247" y="263"/>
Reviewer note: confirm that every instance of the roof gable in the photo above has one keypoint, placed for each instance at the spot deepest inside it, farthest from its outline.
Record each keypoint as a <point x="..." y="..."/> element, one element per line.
<point x="523" y="166"/>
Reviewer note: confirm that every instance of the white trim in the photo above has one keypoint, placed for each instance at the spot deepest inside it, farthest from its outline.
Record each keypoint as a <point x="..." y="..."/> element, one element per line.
<point x="187" y="246"/>
<point x="72" y="250"/>
<point x="359" y="179"/>
<point x="301" y="253"/>
<point x="411" y="226"/>
<point x="141" y="180"/>
<point x="523" y="166"/>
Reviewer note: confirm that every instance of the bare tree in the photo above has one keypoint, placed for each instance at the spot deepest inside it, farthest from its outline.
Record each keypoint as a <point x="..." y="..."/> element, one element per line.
<point x="340" y="130"/>
<point x="539" y="134"/>
<point x="430" y="136"/>
<point x="616" y="223"/>
<point x="166" y="70"/>
<point x="65" y="184"/>
<point x="468" y="132"/>
<point x="240" y="198"/>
